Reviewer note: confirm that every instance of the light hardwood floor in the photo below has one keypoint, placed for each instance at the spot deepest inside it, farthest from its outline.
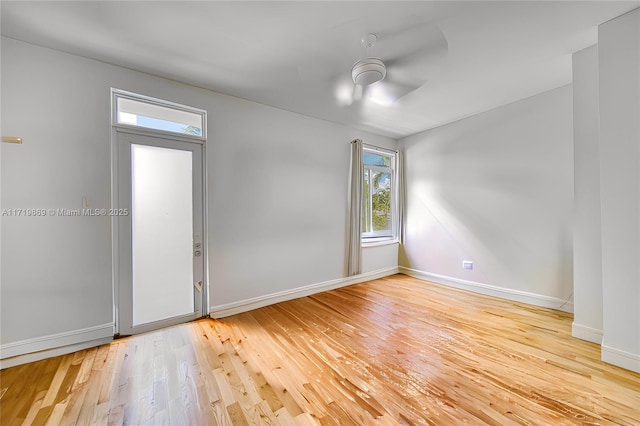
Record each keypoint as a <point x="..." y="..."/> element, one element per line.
<point x="391" y="351"/>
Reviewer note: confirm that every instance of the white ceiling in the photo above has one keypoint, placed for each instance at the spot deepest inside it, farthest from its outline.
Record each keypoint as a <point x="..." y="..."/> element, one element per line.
<point x="289" y="54"/>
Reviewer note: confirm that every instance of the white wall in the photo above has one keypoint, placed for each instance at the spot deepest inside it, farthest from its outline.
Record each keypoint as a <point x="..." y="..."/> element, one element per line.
<point x="587" y="247"/>
<point x="282" y="221"/>
<point x="277" y="201"/>
<point x="619" y="80"/>
<point x="496" y="189"/>
<point x="379" y="257"/>
<point x="56" y="271"/>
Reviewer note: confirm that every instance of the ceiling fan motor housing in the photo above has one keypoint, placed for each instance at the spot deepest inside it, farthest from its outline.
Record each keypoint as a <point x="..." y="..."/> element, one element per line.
<point x="368" y="71"/>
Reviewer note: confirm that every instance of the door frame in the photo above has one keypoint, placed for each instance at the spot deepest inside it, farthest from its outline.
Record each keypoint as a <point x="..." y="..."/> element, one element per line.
<point x="116" y="130"/>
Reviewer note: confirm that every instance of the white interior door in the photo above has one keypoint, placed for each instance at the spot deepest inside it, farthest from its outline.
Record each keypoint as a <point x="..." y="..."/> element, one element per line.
<point x="160" y="256"/>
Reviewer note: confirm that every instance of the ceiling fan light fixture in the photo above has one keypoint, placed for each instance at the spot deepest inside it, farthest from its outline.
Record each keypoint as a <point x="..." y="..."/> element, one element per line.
<point x="368" y="71"/>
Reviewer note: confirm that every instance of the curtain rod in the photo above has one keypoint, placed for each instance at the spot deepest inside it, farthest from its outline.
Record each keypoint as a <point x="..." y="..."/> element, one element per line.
<point x="374" y="147"/>
<point x="379" y="148"/>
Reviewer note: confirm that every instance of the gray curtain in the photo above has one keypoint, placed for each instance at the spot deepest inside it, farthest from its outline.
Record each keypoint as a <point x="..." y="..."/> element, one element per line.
<point x="355" y="211"/>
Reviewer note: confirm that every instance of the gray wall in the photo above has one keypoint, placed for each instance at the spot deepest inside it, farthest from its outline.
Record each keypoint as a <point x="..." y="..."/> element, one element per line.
<point x="619" y="102"/>
<point x="587" y="245"/>
<point x="277" y="201"/>
<point x="496" y="189"/>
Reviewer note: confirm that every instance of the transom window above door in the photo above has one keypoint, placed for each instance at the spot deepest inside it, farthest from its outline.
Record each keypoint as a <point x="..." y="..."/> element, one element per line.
<point x="137" y="111"/>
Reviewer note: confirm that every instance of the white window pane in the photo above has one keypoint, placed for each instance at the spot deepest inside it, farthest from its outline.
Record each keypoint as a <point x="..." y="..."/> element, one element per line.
<point x="126" y="118"/>
<point x="162" y="233"/>
<point x="152" y="116"/>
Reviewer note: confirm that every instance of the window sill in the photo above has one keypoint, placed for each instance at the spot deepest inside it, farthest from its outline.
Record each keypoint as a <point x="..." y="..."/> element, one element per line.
<point x="382" y="241"/>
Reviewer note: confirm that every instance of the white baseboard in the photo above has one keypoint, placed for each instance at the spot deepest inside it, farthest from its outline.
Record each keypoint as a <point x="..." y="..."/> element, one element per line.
<point x="589" y="334"/>
<point x="37" y="348"/>
<point x="227" y="309"/>
<point x="620" y="358"/>
<point x="49" y="353"/>
<point x="490" y="290"/>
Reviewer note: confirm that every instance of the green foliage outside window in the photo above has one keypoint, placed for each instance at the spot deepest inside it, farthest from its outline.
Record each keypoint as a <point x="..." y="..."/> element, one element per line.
<point x="192" y="130"/>
<point x="379" y="210"/>
<point x="381" y="206"/>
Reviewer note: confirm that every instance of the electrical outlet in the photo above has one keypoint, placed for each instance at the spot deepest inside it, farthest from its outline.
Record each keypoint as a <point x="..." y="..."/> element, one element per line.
<point x="467" y="264"/>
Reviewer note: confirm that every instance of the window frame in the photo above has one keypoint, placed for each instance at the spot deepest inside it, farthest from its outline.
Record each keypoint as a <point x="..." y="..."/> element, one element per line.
<point x="122" y="94"/>
<point x="370" y="238"/>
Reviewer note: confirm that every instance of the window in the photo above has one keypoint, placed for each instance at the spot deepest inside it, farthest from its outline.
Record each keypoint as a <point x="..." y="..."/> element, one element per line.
<point x="132" y="110"/>
<point x="379" y="195"/>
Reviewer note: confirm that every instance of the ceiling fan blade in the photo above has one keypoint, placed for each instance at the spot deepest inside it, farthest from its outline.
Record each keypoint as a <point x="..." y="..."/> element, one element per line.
<point x="426" y="62"/>
<point x="358" y="92"/>
<point x="420" y="50"/>
<point x="390" y="90"/>
<point x="344" y="91"/>
<point x="423" y="37"/>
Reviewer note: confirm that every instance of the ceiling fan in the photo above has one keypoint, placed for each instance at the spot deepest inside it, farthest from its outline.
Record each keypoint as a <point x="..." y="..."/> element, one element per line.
<point x="385" y="83"/>
<point x="367" y="71"/>
<point x="404" y="62"/>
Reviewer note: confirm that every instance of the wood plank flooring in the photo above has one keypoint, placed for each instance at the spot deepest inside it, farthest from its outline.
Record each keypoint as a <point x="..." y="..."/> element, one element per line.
<point x="391" y="351"/>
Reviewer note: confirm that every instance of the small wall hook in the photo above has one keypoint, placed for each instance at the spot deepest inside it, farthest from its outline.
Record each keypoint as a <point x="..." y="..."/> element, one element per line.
<point x="12" y="139"/>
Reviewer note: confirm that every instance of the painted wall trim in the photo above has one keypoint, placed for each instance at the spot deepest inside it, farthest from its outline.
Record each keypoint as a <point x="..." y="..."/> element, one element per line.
<point x="37" y="348"/>
<point x="49" y="353"/>
<point x="620" y="358"/>
<point x="491" y="290"/>
<point x="227" y="309"/>
<point x="584" y="332"/>
<point x="59" y="340"/>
